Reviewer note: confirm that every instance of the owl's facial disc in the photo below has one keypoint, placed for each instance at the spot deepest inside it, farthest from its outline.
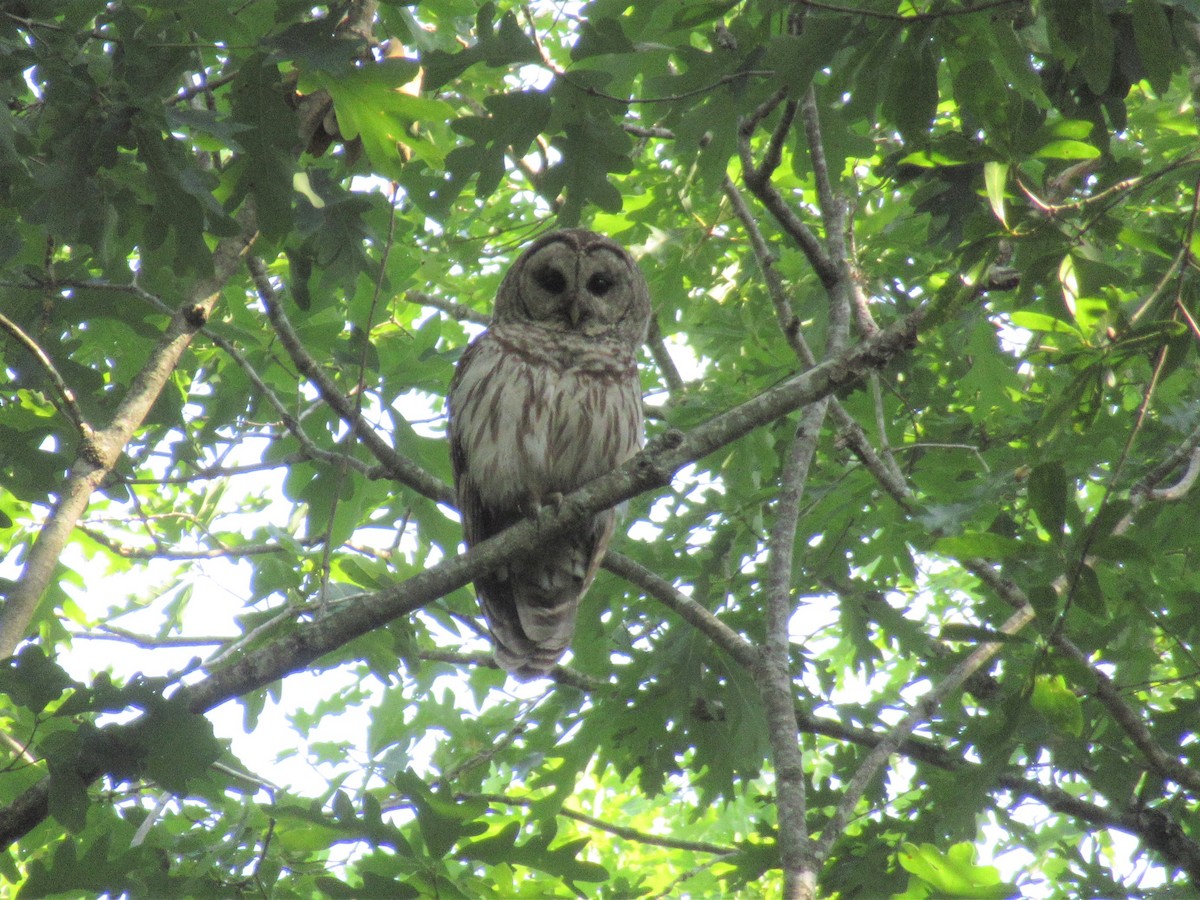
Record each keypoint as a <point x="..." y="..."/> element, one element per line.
<point x="579" y="290"/>
<point x="576" y="281"/>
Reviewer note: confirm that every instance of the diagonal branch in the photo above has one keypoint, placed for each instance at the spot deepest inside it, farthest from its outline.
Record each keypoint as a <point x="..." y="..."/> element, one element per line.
<point x="923" y="708"/>
<point x="621" y="831"/>
<point x="98" y="455"/>
<point x="758" y="180"/>
<point x="70" y="407"/>
<point x="685" y="607"/>
<point x="403" y="470"/>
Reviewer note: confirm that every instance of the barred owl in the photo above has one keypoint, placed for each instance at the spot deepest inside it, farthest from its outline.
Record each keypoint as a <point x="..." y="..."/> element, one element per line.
<point x="545" y="400"/>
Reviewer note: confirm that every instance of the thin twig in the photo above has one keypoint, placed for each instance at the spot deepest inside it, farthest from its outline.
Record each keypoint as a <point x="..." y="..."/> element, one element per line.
<point x="69" y="407"/>
<point x="108" y="632"/>
<point x="922" y="709"/>
<point x="908" y="17"/>
<point x="560" y="673"/>
<point x="459" y="311"/>
<point x="789" y="322"/>
<point x="621" y="831"/>
<point x="667" y="98"/>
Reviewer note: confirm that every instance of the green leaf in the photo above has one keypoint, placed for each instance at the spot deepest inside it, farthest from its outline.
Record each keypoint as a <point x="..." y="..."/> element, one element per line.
<point x="443" y="821"/>
<point x="995" y="178"/>
<point x="269" y="141"/>
<point x="67" y="798"/>
<point x="179" y="745"/>
<point x="912" y="94"/>
<point x="1068" y="150"/>
<point x="31" y="679"/>
<point x="1055" y="700"/>
<point x="1096" y="61"/>
<point x="1035" y="321"/>
<point x="954" y="873"/>
<point x="371" y="105"/>
<point x="1155" y="46"/>
<point x="701" y="12"/>
<point x="1049" y="495"/>
<point x="978" y="544"/>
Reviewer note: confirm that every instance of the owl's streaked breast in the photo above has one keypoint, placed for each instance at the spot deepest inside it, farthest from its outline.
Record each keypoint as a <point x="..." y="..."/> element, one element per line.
<point x="545" y="416"/>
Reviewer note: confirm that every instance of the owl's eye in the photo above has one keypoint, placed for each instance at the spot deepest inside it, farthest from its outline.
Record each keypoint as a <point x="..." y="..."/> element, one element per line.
<point x="551" y="279"/>
<point x="599" y="284"/>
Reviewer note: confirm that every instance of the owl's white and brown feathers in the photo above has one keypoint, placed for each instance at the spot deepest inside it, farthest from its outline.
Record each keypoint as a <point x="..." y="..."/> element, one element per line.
<point x="547" y="399"/>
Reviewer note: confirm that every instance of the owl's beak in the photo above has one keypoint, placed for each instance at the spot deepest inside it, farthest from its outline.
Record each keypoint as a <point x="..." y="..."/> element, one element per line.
<point x="577" y="311"/>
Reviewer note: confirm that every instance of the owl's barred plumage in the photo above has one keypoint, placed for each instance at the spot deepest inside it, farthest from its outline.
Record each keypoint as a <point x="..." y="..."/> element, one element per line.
<point x="547" y="399"/>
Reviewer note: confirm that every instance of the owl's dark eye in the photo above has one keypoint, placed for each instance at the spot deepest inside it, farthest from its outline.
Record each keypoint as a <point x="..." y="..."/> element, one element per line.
<point x="599" y="284"/>
<point x="550" y="279"/>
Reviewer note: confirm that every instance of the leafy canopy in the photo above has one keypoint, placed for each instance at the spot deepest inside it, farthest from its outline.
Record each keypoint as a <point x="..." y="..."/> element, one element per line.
<point x="905" y="602"/>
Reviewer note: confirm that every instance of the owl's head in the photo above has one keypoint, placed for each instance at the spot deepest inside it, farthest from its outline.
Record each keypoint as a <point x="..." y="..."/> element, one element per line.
<point x="577" y="281"/>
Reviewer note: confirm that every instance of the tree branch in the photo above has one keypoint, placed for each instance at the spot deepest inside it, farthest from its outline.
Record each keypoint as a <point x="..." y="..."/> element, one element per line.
<point x="1160" y="761"/>
<point x="789" y="322"/>
<point x="403" y="470"/>
<point x="69" y="407"/>
<point x="758" y="179"/>
<point x="621" y="831"/>
<point x="774" y="676"/>
<point x="685" y="607"/>
<point x="455" y="310"/>
<point x="98" y="456"/>
<point x="923" y="708"/>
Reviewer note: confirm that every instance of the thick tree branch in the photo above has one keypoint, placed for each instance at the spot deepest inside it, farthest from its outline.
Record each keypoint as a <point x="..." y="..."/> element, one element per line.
<point x="774" y="676"/>
<point x="98" y="455"/>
